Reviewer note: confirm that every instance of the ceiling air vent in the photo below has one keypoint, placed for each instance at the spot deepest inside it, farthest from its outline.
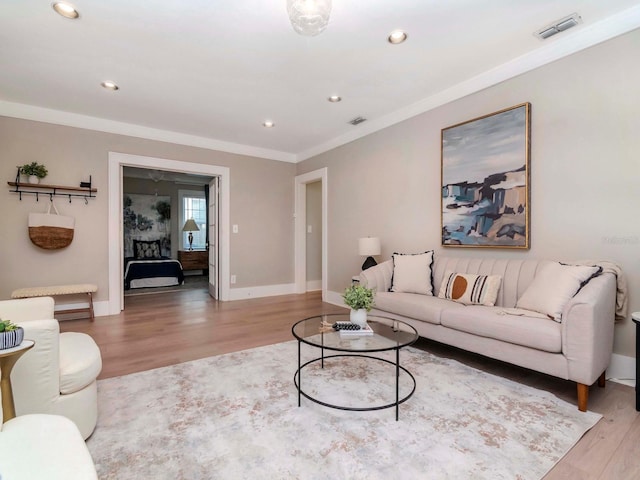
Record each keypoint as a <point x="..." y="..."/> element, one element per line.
<point x="357" y="120"/>
<point x="559" y="26"/>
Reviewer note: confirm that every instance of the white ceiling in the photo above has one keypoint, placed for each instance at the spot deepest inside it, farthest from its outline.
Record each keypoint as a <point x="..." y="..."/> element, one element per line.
<point x="209" y="72"/>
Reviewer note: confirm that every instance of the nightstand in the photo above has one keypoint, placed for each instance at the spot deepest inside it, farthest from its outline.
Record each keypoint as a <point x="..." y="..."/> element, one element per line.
<point x="194" y="259"/>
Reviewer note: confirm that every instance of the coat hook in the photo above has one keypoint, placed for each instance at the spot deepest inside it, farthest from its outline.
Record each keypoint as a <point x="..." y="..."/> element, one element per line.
<point x="86" y="202"/>
<point x="69" y="198"/>
<point x="37" y="197"/>
<point x="51" y="197"/>
<point x="20" y="193"/>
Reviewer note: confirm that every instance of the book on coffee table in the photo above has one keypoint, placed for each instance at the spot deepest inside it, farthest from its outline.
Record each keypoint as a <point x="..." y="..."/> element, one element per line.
<point x="366" y="330"/>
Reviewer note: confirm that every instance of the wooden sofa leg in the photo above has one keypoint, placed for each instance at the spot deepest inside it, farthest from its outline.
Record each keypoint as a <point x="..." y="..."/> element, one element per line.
<point x="583" y="396"/>
<point x="602" y="379"/>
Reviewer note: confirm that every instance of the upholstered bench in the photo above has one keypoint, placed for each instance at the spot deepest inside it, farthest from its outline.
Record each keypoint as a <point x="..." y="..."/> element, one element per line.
<point x="58" y="290"/>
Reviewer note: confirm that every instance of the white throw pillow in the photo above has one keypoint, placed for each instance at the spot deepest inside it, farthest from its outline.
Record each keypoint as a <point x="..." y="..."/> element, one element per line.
<point x="470" y="289"/>
<point x="553" y="286"/>
<point x="412" y="273"/>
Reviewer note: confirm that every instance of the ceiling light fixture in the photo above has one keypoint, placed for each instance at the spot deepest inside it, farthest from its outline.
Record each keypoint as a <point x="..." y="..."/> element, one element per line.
<point x="335" y="98"/>
<point x="309" y="17"/>
<point x="396" y="37"/>
<point x="559" y="26"/>
<point x="66" y="10"/>
<point x="110" y="85"/>
<point x="268" y="124"/>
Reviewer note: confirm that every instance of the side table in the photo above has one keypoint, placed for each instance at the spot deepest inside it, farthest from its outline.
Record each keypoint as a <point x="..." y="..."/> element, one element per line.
<point x="636" y="319"/>
<point x="8" y="358"/>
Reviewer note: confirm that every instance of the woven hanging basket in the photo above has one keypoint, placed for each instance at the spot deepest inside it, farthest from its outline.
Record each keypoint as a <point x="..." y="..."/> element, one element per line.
<point x="51" y="231"/>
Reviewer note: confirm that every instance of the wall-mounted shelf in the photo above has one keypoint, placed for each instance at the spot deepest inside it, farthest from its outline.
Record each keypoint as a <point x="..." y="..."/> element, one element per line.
<point x="39" y="189"/>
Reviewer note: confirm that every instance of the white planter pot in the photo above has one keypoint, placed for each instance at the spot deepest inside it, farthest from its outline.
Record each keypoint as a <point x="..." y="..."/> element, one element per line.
<point x="33" y="179"/>
<point x="359" y="317"/>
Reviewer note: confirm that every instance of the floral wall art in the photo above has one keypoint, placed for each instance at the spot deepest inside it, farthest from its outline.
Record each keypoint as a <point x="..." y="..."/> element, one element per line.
<point x="147" y="217"/>
<point x="485" y="180"/>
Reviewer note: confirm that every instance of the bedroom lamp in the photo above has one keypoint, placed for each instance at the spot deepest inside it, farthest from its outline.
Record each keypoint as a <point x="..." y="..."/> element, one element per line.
<point x="368" y="247"/>
<point x="190" y="226"/>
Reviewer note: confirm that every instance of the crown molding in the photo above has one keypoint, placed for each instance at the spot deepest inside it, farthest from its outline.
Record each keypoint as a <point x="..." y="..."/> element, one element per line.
<point x="557" y="48"/>
<point x="59" y="117"/>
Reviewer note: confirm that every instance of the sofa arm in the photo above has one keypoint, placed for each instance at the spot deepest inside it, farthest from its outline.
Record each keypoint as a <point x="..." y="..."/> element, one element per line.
<point x="588" y="328"/>
<point x="378" y="277"/>
<point x="36" y="375"/>
<point x="27" y="309"/>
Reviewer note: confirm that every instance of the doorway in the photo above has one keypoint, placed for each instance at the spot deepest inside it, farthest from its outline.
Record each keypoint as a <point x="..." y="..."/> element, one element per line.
<point x="301" y="228"/>
<point x="117" y="161"/>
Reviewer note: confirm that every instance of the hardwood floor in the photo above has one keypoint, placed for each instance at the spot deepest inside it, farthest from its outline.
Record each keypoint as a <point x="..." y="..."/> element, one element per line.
<point x="163" y="329"/>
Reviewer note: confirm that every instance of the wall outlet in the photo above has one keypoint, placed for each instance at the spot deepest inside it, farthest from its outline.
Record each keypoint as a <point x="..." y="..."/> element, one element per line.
<point x="233" y="279"/>
<point x="235" y="229"/>
<point x="309" y="229"/>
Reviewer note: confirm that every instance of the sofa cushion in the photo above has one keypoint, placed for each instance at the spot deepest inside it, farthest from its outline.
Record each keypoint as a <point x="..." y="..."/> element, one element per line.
<point x="80" y="361"/>
<point x="412" y="273"/>
<point x="470" y="289"/>
<point x="421" y="307"/>
<point x="553" y="286"/>
<point x="492" y="322"/>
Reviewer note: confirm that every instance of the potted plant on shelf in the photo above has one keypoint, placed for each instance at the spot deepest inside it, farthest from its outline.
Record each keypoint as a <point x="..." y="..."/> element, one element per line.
<point x="34" y="171"/>
<point x="360" y="299"/>
<point x="11" y="335"/>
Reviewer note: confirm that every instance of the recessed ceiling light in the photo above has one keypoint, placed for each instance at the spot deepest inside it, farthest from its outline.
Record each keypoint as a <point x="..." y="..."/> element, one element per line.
<point x="397" y="36"/>
<point x="66" y="10"/>
<point x="335" y="98"/>
<point x="268" y="124"/>
<point x="110" y="85"/>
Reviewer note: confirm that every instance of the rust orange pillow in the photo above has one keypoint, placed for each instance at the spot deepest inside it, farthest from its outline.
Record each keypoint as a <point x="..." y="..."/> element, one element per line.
<point x="470" y="289"/>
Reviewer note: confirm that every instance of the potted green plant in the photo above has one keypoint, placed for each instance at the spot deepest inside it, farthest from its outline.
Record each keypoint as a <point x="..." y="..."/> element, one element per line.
<point x="360" y="300"/>
<point x="11" y="335"/>
<point x="34" y="171"/>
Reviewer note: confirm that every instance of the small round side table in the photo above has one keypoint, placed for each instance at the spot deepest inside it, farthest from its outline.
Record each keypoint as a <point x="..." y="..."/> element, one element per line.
<point x="8" y="358"/>
<point x="635" y="316"/>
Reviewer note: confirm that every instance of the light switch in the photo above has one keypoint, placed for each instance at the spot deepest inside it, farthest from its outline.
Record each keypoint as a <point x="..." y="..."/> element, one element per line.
<point x="309" y="229"/>
<point x="235" y="229"/>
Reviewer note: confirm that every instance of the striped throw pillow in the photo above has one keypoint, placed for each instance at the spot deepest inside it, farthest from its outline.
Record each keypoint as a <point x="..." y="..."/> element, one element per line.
<point x="470" y="289"/>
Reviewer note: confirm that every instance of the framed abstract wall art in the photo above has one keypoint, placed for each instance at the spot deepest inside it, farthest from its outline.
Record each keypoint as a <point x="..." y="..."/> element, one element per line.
<point x="485" y="193"/>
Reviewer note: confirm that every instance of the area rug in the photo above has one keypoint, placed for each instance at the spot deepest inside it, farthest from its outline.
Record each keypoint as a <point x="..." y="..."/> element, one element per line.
<point x="236" y="416"/>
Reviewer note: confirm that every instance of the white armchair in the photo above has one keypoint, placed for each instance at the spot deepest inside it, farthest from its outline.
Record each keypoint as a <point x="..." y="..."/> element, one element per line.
<point x="43" y="446"/>
<point x="58" y="375"/>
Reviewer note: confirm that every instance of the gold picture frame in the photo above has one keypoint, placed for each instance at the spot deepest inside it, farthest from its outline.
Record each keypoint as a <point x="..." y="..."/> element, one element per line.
<point x="485" y="180"/>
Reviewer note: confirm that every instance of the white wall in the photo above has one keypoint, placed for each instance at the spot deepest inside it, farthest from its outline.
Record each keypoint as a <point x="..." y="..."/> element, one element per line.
<point x="585" y="171"/>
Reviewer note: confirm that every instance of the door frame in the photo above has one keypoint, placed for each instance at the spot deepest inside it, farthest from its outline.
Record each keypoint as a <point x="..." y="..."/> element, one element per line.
<point x="300" y="215"/>
<point x="115" y="231"/>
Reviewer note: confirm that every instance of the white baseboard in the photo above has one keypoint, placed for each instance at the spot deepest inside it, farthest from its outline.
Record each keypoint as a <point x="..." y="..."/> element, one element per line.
<point x="334" y="298"/>
<point x="622" y="369"/>
<point x="264" y="291"/>
<point x="314" y="285"/>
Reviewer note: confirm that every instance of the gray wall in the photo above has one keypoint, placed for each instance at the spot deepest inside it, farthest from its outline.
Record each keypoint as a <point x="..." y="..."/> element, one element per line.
<point x="585" y="171"/>
<point x="261" y="204"/>
<point x="314" y="239"/>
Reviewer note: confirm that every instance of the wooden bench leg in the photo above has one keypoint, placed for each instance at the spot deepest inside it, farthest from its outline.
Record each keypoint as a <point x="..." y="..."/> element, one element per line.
<point x="583" y="396"/>
<point x="91" y="316"/>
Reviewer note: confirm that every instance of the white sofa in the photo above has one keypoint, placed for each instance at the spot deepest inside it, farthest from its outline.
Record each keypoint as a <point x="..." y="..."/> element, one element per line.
<point x="58" y="375"/>
<point x="577" y="348"/>
<point x="43" y="446"/>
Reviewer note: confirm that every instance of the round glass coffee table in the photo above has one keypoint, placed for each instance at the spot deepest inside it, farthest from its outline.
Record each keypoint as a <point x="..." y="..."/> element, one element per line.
<point x="388" y="335"/>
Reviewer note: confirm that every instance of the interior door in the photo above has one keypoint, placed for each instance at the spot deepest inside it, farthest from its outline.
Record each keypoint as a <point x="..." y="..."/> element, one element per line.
<point x="214" y="192"/>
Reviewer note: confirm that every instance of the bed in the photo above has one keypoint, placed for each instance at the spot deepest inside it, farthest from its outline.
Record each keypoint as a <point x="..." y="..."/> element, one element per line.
<point x="149" y="269"/>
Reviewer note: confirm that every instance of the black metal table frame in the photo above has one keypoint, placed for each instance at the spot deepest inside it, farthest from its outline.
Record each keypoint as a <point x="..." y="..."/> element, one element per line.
<point x="297" y="379"/>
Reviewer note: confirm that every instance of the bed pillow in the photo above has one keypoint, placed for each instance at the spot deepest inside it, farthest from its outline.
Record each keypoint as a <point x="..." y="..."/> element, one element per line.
<point x="412" y="273"/>
<point x="470" y="289"/>
<point x="147" y="249"/>
<point x="553" y="286"/>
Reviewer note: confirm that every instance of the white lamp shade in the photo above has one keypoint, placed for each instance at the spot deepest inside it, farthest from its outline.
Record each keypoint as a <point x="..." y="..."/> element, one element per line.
<point x="190" y="226"/>
<point x="369" y="246"/>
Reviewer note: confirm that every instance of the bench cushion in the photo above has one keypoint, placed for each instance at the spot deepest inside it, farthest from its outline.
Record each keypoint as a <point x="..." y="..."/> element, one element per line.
<point x="80" y="361"/>
<point x="54" y="290"/>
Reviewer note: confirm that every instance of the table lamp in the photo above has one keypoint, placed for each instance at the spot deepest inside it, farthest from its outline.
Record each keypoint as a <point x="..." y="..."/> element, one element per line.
<point x="190" y="226"/>
<point x="367" y="247"/>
